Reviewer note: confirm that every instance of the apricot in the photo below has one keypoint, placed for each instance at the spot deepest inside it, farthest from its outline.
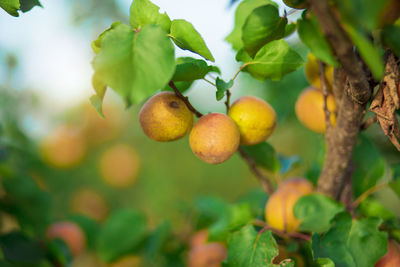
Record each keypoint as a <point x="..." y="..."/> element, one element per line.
<point x="90" y="203"/>
<point x="199" y="238"/>
<point x="214" y="138"/>
<point x="208" y="255"/>
<point x="127" y="261"/>
<point x="392" y="256"/>
<point x="297" y="4"/>
<point x="165" y="117"/>
<point x="310" y="109"/>
<point x="119" y="165"/>
<point x="255" y="118"/>
<point x="311" y="70"/>
<point x="70" y="233"/>
<point x="65" y="147"/>
<point x="296" y="183"/>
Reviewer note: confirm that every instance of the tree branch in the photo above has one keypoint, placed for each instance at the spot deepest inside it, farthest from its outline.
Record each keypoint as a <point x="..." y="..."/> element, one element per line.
<point x="368" y="122"/>
<point x="324" y="93"/>
<point x="228" y="101"/>
<point x="340" y="140"/>
<point x="185" y="99"/>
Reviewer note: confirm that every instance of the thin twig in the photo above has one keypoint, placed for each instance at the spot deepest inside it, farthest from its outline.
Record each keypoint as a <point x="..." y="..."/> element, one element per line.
<point x="366" y="194"/>
<point x="210" y="82"/>
<point x="185" y="99"/>
<point x="280" y="233"/>
<point x="368" y="122"/>
<point x="241" y="68"/>
<point x="228" y="100"/>
<point x="324" y="93"/>
<point x="252" y="165"/>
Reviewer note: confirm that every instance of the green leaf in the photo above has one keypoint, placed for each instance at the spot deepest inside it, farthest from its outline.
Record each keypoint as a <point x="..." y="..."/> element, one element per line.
<point x="351" y="243"/>
<point x="264" y="155"/>
<point x="89" y="226"/>
<point x="370" y="165"/>
<point x="10" y="6"/>
<point x="324" y="262"/>
<point x="123" y="231"/>
<point x="311" y="34"/>
<point x="27" y="5"/>
<point x="289" y="29"/>
<point x="222" y="86"/>
<point x="242" y="12"/>
<point x="16" y="246"/>
<point x="391" y="37"/>
<point x="273" y="61"/>
<point x="249" y="248"/>
<point x="368" y="51"/>
<point x="231" y="219"/>
<point x="100" y="88"/>
<point x="186" y="37"/>
<point x="135" y="65"/>
<point x="96" y="44"/>
<point x="157" y="239"/>
<point x="316" y="212"/>
<point x="262" y="26"/>
<point x="189" y="69"/>
<point x="144" y="12"/>
<point x="373" y="208"/>
<point x="362" y="13"/>
<point x="182" y="86"/>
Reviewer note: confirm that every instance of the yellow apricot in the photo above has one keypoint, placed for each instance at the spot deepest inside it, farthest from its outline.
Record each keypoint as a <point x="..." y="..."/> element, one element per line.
<point x="207" y="255"/>
<point x="255" y="118"/>
<point x="70" y="233"/>
<point x="310" y="109"/>
<point x="165" y="117"/>
<point x="214" y="138"/>
<point x="279" y="210"/>
<point x="392" y="257"/>
<point x="90" y="203"/>
<point x="65" y="147"/>
<point x="311" y="70"/>
<point x="296" y="183"/>
<point x="119" y="166"/>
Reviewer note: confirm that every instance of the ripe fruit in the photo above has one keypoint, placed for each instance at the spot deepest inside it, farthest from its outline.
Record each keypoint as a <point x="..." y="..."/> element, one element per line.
<point x="90" y="203"/>
<point x="214" y="138"/>
<point x="392" y="257"/>
<point x="165" y="117"/>
<point x="255" y="118"/>
<point x="297" y="4"/>
<point x="296" y="183"/>
<point x="119" y="166"/>
<point x="64" y="148"/>
<point x="70" y="233"/>
<point x="310" y="109"/>
<point x="199" y="238"/>
<point x="208" y="255"/>
<point x="311" y="70"/>
<point x="279" y="209"/>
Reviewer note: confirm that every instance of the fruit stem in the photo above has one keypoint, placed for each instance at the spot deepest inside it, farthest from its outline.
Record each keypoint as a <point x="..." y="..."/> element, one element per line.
<point x="366" y="194"/>
<point x="185" y="99"/>
<point x="228" y="100"/>
<point x="280" y="233"/>
<point x="368" y="122"/>
<point x="252" y="165"/>
<point x="210" y="82"/>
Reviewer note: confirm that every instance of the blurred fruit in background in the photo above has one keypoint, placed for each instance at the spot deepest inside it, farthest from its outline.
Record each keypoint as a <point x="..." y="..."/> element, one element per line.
<point x="65" y="147"/>
<point x="207" y="255"/>
<point x="89" y="203"/>
<point x="87" y="260"/>
<point x="119" y="165"/>
<point x="8" y="223"/>
<point x="312" y="72"/>
<point x="70" y="233"/>
<point x="199" y="238"/>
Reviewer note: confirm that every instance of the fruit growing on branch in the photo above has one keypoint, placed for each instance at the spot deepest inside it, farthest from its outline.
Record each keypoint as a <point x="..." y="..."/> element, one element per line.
<point x="214" y="138"/>
<point x="165" y="117"/>
<point x="310" y="109"/>
<point x="392" y="257"/>
<point x="312" y="72"/>
<point x="255" y="118"/>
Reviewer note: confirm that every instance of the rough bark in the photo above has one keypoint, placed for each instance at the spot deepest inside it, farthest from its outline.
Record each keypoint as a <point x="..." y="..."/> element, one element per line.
<point x="340" y="140"/>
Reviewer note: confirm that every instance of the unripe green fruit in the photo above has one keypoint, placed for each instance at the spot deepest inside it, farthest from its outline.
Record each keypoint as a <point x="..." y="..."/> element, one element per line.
<point x="165" y="117"/>
<point x="297" y="4"/>
<point x="214" y="138"/>
<point x="255" y="118"/>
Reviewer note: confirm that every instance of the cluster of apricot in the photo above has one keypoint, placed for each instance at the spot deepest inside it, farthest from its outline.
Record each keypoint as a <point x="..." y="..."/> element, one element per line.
<point x="310" y="104"/>
<point x="215" y="137"/>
